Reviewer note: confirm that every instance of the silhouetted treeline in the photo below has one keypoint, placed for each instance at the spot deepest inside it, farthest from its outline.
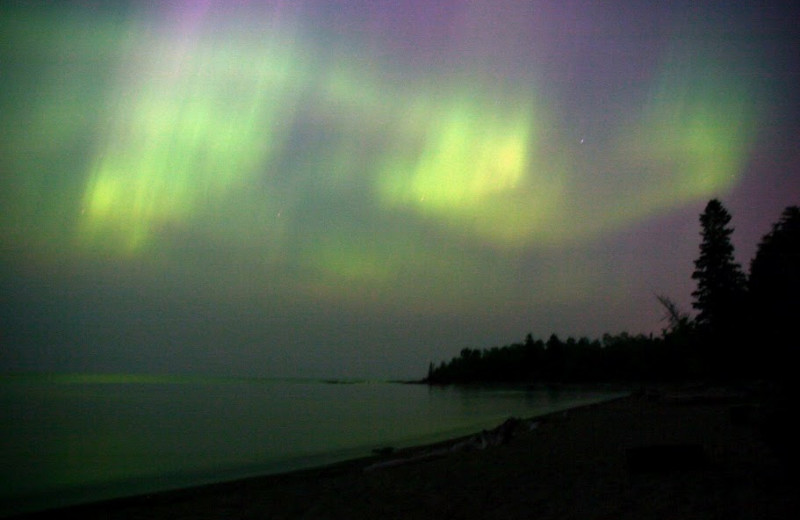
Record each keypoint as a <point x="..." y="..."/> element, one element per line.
<point x="619" y="357"/>
<point x="745" y="327"/>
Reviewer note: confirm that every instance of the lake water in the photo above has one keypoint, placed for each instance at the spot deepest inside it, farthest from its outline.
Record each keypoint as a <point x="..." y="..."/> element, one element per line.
<point x="69" y="439"/>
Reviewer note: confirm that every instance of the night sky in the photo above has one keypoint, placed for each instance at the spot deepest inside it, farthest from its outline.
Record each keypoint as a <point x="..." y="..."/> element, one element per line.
<point x="355" y="188"/>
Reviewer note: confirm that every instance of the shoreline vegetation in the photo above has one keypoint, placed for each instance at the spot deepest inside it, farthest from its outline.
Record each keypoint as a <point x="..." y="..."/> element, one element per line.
<point x="666" y="451"/>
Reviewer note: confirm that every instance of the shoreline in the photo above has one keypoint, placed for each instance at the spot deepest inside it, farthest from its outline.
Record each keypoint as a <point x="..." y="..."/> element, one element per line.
<point x="379" y="454"/>
<point x="577" y="462"/>
<point x="409" y="433"/>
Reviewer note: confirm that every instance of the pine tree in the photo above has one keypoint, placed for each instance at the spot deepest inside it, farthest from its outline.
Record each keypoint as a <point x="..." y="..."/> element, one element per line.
<point x="774" y="288"/>
<point x="720" y="281"/>
<point x="775" y="270"/>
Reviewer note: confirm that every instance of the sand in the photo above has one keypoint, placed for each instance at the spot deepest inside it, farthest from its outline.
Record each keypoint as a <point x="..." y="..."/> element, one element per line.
<point x="678" y="454"/>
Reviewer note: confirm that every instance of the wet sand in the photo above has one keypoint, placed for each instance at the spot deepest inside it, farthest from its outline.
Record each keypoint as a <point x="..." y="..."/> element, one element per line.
<point x="682" y="454"/>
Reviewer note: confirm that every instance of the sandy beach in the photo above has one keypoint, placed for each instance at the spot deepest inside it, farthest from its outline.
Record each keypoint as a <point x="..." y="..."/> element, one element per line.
<point x="683" y="453"/>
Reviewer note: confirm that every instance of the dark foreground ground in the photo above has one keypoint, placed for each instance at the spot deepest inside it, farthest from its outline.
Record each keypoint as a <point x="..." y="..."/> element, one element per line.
<point x="679" y="454"/>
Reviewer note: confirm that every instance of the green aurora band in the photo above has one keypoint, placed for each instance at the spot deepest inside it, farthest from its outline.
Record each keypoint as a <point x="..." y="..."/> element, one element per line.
<point x="215" y="134"/>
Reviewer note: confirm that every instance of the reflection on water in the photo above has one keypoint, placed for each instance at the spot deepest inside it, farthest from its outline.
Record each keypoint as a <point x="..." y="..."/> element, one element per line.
<point x="75" y="438"/>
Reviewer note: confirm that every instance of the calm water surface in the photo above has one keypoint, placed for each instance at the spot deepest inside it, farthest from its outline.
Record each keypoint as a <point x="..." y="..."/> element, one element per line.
<point x="74" y="438"/>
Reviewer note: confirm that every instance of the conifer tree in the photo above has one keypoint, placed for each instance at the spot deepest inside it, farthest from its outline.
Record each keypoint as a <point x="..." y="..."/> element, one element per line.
<point x="720" y="281"/>
<point x="775" y="270"/>
<point x="774" y="288"/>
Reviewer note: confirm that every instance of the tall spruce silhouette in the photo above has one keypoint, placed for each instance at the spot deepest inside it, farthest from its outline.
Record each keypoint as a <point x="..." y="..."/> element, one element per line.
<point x="720" y="295"/>
<point x="774" y="287"/>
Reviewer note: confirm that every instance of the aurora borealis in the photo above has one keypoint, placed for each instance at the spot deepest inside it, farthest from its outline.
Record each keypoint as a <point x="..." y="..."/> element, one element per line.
<point x="360" y="187"/>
